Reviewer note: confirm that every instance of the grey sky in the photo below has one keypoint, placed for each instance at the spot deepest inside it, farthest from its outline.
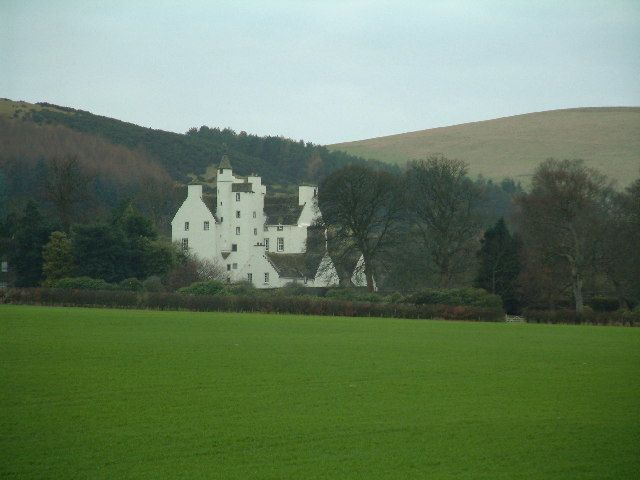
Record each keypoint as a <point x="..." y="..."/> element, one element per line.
<point x="321" y="71"/>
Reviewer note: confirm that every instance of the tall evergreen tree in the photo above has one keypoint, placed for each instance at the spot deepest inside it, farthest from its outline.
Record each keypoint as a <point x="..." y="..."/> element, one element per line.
<point x="29" y="236"/>
<point x="500" y="265"/>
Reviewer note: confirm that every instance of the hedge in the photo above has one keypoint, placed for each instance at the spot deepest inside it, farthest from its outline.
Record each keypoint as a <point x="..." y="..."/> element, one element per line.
<point x="625" y="318"/>
<point x="247" y="303"/>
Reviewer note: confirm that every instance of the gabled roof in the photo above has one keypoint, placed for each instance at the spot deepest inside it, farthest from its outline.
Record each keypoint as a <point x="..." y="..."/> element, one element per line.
<point x="282" y="211"/>
<point x="295" y="265"/>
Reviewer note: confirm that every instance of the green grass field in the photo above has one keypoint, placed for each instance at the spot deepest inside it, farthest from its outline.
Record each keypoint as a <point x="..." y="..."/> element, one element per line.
<point x="91" y="393"/>
<point x="606" y="138"/>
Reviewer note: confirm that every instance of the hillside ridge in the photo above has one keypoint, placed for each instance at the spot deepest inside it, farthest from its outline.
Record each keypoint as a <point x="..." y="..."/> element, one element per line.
<point x="607" y="138"/>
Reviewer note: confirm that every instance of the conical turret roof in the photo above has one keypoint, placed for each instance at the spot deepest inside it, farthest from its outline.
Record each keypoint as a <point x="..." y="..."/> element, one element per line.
<point x="225" y="163"/>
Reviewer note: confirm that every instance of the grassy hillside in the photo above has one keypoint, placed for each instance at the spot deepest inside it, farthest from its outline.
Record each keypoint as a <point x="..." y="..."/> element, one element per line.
<point x="606" y="138"/>
<point x="95" y="393"/>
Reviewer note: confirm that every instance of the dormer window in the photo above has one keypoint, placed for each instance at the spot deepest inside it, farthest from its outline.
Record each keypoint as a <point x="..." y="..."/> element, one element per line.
<point x="206" y="225"/>
<point x="186" y="226"/>
<point x="279" y="228"/>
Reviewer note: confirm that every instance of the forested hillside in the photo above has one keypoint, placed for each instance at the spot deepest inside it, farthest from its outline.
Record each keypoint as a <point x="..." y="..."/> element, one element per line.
<point x="278" y="160"/>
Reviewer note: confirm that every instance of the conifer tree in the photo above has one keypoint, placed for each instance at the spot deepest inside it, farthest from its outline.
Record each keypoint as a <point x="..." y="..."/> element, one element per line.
<point x="500" y="265"/>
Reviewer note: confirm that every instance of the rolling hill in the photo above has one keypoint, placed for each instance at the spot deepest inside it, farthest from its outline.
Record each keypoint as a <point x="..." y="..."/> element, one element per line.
<point x="606" y="138"/>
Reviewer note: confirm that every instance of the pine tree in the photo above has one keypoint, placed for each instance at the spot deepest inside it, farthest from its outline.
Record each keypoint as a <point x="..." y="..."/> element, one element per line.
<point x="500" y="265"/>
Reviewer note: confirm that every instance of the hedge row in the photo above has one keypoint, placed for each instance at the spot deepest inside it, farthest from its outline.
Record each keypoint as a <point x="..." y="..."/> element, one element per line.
<point x="625" y="318"/>
<point x="273" y="304"/>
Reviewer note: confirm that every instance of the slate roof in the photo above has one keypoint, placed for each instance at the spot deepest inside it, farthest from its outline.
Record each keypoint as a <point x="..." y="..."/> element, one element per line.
<point x="242" y="187"/>
<point x="295" y="265"/>
<point x="282" y="211"/>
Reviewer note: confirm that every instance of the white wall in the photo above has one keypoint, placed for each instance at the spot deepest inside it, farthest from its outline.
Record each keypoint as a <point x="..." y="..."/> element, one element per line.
<point x="194" y="211"/>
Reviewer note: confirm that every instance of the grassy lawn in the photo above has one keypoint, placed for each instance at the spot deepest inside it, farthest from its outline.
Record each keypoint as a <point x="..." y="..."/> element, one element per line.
<point x="92" y="393"/>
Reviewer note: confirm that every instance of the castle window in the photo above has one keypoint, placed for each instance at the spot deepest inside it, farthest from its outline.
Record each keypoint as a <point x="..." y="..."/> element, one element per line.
<point x="237" y="196"/>
<point x="186" y="226"/>
<point x="234" y="247"/>
<point x="220" y="203"/>
<point x="279" y="228"/>
<point x="266" y="277"/>
<point x="254" y="214"/>
<point x="5" y="266"/>
<point x="235" y="266"/>
<point x="250" y="277"/>
<point x="237" y="230"/>
<point x="280" y="244"/>
<point x="237" y="213"/>
<point x="221" y="218"/>
<point x="206" y="225"/>
<point x="255" y="231"/>
<point x="185" y="243"/>
<point x="228" y="267"/>
<point x="266" y="244"/>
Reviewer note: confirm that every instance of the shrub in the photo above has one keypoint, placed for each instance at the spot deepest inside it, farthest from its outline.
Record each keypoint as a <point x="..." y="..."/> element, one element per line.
<point x="472" y="297"/>
<point x="153" y="284"/>
<point x="131" y="285"/>
<point x="354" y="294"/>
<point x="618" y="317"/>
<point x="604" y="304"/>
<point x="241" y="288"/>
<point x="83" y="283"/>
<point x="211" y="287"/>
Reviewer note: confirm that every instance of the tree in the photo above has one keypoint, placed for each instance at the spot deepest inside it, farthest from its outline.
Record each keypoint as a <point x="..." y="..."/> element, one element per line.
<point x="100" y="251"/>
<point x="28" y="237"/>
<point x="66" y="186"/>
<point x="57" y="256"/>
<point x="444" y="204"/>
<point x="500" y="265"/>
<point x="621" y="258"/>
<point x="363" y="210"/>
<point x="562" y="218"/>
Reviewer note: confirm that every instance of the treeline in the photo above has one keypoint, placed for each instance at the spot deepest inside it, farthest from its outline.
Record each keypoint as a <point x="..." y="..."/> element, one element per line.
<point x="122" y="251"/>
<point x="571" y="240"/>
<point x="277" y="159"/>
<point x="74" y="176"/>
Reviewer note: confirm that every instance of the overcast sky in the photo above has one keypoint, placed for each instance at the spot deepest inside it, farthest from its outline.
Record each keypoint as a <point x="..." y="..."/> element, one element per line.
<point x="321" y="71"/>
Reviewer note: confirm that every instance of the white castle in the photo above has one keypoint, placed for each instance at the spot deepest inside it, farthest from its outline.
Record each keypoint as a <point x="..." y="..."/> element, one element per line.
<point x="267" y="248"/>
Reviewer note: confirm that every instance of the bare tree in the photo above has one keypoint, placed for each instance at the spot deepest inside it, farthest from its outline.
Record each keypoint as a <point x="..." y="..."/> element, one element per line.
<point x="363" y="211"/>
<point x="67" y="186"/>
<point x="562" y="218"/>
<point x="445" y="207"/>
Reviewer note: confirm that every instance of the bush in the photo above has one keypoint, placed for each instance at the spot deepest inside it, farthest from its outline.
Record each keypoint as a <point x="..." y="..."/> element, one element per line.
<point x="153" y="284"/>
<point x="354" y="294"/>
<point x="604" y="304"/>
<point x="211" y="287"/>
<point x="83" y="283"/>
<point x="131" y="285"/>
<point x="248" y="303"/>
<point x="618" y="317"/>
<point x="472" y="297"/>
<point x="241" y="288"/>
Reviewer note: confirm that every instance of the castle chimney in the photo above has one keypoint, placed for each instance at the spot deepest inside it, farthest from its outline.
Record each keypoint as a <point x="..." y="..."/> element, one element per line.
<point x="194" y="191"/>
